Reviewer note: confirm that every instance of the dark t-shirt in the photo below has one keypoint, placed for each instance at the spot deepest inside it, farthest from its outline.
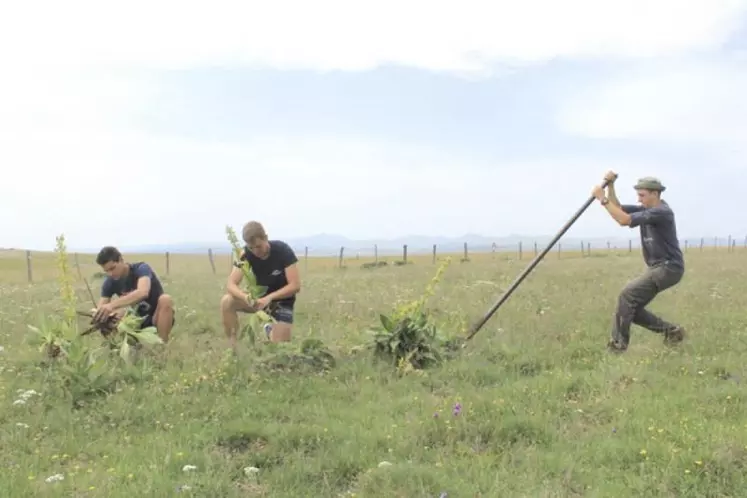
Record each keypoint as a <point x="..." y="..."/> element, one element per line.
<point x="659" y="240"/>
<point x="127" y="284"/>
<point x="271" y="271"/>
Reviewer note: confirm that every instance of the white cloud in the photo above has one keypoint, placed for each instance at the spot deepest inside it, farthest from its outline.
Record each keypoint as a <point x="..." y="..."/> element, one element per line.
<point x="339" y="34"/>
<point x="128" y="188"/>
<point x="685" y="104"/>
<point x="701" y="102"/>
<point x="75" y="161"/>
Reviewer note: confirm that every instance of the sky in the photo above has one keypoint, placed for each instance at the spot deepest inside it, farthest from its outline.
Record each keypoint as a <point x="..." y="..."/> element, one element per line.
<point x="162" y="122"/>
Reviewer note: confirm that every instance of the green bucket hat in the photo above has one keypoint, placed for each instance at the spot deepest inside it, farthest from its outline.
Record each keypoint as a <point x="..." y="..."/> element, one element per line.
<point x="649" y="183"/>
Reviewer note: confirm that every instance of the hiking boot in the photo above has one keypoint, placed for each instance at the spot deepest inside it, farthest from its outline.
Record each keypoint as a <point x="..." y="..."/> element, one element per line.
<point x="674" y="336"/>
<point x="615" y="347"/>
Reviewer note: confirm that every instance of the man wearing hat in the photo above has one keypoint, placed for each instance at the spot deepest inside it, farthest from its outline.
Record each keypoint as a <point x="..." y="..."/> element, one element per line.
<point x="661" y="252"/>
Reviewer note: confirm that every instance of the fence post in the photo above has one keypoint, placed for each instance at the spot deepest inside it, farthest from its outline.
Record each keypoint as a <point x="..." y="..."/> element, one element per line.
<point x="521" y="250"/>
<point x="212" y="262"/>
<point x="376" y="253"/>
<point x="342" y="252"/>
<point x="168" y="263"/>
<point x="29" y="275"/>
<point x="434" y="254"/>
<point x="466" y="252"/>
<point x="404" y="253"/>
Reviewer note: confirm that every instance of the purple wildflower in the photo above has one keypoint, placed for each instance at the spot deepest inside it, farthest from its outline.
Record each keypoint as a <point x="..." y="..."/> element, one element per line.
<point x="457" y="409"/>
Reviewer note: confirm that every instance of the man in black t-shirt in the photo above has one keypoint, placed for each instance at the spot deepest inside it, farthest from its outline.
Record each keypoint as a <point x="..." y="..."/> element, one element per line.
<point x="661" y="253"/>
<point x="275" y="265"/>
<point x="137" y="285"/>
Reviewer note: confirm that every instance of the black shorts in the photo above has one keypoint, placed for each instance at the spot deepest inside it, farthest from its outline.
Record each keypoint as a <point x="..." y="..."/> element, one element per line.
<point x="148" y="322"/>
<point x="282" y="312"/>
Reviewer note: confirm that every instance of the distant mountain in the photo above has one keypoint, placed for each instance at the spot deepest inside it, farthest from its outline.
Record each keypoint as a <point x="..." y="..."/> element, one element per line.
<point x="325" y="244"/>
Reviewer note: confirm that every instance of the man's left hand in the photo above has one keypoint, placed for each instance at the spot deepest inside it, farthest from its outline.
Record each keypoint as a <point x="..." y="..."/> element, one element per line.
<point x="262" y="303"/>
<point x="598" y="192"/>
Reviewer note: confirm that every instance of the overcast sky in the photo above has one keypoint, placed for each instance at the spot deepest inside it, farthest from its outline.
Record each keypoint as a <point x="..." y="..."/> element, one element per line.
<point x="367" y="119"/>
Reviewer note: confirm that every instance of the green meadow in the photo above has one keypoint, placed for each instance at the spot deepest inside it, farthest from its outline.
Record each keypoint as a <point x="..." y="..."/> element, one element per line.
<point x="532" y="406"/>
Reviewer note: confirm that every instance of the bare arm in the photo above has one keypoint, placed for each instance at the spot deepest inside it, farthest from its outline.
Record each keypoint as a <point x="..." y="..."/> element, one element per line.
<point x="617" y="213"/>
<point x="134" y="297"/>
<point x="292" y="287"/>
<point x="232" y="285"/>
<point x="612" y="195"/>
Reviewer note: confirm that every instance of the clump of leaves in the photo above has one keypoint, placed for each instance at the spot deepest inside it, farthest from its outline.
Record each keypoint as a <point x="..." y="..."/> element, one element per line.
<point x="86" y="372"/>
<point x="312" y="355"/>
<point x="129" y="334"/>
<point x="407" y="337"/>
<point x="52" y="336"/>
<point x="251" y="287"/>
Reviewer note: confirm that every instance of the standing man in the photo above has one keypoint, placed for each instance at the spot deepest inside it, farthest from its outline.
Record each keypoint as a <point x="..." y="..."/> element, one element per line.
<point x="275" y="265"/>
<point x="137" y="285"/>
<point x="661" y="252"/>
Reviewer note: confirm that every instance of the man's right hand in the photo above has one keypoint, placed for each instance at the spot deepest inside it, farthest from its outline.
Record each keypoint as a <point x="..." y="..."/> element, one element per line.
<point x="249" y="301"/>
<point x="610" y="177"/>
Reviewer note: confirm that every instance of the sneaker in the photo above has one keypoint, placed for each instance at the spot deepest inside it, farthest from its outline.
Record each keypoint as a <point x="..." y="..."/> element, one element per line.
<point x="267" y="328"/>
<point x="675" y="336"/>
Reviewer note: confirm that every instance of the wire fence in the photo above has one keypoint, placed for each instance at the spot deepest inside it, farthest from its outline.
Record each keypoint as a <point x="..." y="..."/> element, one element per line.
<point x="373" y="256"/>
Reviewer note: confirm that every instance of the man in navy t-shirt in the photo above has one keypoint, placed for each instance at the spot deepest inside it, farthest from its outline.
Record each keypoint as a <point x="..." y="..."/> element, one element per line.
<point x="138" y="286"/>
<point x="661" y="253"/>
<point x="275" y="265"/>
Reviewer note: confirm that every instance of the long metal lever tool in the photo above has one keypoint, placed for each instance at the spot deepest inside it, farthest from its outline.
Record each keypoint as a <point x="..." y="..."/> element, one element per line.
<point x="478" y="325"/>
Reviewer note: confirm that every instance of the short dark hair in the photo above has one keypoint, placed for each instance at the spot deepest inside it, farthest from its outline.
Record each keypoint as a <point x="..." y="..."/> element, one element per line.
<point x="107" y="254"/>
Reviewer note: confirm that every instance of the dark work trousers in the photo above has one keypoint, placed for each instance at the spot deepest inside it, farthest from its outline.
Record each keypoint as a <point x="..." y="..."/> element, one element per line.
<point x="634" y="298"/>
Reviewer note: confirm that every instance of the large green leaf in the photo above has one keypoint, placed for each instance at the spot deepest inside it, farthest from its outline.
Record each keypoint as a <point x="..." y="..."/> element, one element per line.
<point x="124" y="351"/>
<point x="148" y="336"/>
<point x="386" y="322"/>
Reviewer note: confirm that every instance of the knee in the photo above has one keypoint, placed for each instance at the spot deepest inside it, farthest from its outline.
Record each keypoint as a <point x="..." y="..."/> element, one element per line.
<point x="165" y="302"/>
<point x="626" y="299"/>
<point x="227" y="303"/>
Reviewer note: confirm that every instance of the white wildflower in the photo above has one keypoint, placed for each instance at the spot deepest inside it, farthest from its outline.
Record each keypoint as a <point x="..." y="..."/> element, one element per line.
<point x="250" y="471"/>
<point x="55" y="478"/>
<point x="21" y="424"/>
<point x="385" y="464"/>
<point x="187" y="468"/>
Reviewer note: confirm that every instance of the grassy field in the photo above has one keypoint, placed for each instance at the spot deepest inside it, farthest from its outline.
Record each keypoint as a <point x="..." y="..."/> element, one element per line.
<point x="534" y="406"/>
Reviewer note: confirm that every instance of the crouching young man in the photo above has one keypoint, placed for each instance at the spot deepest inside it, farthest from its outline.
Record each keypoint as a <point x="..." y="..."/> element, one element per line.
<point x="274" y="264"/>
<point x="135" y="284"/>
